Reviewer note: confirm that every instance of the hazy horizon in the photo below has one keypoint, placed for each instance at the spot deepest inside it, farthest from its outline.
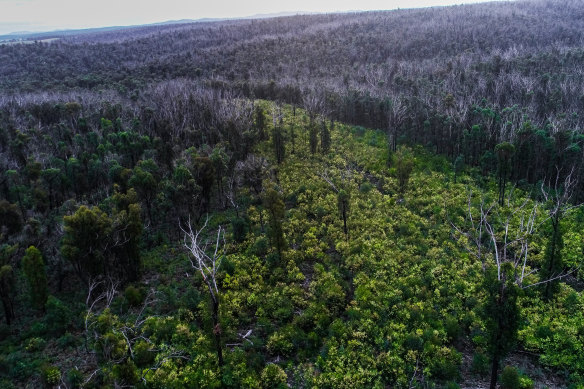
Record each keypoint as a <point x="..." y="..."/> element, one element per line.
<point x="51" y="15"/>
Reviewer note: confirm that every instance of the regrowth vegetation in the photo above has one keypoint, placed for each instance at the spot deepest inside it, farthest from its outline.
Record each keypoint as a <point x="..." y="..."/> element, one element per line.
<point x="401" y="209"/>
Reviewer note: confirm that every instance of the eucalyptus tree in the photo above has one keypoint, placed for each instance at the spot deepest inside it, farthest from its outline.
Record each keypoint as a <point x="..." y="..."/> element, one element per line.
<point x="500" y="237"/>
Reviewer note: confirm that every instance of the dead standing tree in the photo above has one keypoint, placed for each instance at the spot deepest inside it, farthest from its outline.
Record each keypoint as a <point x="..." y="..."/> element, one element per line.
<point x="207" y="265"/>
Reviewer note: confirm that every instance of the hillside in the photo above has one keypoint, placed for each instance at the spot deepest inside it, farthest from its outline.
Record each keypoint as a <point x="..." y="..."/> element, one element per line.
<point x="364" y="200"/>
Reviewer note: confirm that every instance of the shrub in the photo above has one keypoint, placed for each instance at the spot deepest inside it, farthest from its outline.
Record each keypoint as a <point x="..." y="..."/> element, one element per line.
<point x="50" y="375"/>
<point x="365" y="187"/>
<point x="74" y="378"/>
<point x="240" y="228"/>
<point x="480" y="364"/>
<point x="280" y="344"/>
<point x="510" y="378"/>
<point x="273" y="377"/>
<point x="68" y="340"/>
<point x="58" y="316"/>
<point x="35" y="344"/>
<point x="134" y="296"/>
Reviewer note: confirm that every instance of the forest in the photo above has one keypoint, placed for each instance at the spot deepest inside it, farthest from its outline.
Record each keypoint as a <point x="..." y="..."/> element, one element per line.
<point x="353" y="200"/>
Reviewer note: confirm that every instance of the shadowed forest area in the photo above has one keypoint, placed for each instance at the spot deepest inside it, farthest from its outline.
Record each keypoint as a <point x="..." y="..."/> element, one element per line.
<point x="358" y="200"/>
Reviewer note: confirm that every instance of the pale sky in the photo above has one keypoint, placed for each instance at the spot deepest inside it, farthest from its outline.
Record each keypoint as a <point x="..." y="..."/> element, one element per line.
<point x="47" y="15"/>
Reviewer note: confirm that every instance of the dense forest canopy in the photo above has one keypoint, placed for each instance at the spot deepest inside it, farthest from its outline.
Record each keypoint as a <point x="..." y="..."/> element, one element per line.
<point x="371" y="199"/>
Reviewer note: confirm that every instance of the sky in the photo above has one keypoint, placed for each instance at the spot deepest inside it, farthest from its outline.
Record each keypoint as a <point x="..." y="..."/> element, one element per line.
<point x="48" y="15"/>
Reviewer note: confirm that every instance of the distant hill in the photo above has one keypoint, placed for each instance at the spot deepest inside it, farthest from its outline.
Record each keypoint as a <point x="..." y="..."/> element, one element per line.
<point x="22" y="36"/>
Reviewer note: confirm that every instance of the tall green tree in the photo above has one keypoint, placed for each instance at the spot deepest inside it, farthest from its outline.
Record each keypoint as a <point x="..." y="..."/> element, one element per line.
<point x="558" y="196"/>
<point x="36" y="277"/>
<point x="313" y="136"/>
<point x="325" y="137"/>
<point x="276" y="209"/>
<point x="501" y="314"/>
<point x="87" y="236"/>
<point x="7" y="282"/>
<point x="278" y="143"/>
<point x="145" y="180"/>
<point x="500" y="237"/>
<point x="343" y="204"/>
<point x="260" y="122"/>
<point x="404" y="164"/>
<point x="504" y="152"/>
<point x="7" y="291"/>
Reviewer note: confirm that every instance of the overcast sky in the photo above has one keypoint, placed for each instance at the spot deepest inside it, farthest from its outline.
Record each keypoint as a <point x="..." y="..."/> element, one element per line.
<point x="44" y="15"/>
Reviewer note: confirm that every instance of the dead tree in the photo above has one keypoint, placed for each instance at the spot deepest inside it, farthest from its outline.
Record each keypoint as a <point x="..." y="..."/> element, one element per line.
<point x="207" y="265"/>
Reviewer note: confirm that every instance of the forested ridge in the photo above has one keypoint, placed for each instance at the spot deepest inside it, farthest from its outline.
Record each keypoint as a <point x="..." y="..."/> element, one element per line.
<point x="374" y="199"/>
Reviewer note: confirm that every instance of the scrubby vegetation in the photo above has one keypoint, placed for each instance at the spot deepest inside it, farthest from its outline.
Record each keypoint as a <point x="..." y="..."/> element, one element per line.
<point x="412" y="228"/>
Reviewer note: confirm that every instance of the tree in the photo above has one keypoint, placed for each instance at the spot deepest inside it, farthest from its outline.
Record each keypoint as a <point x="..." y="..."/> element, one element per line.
<point x="86" y="239"/>
<point x="126" y="235"/>
<point x="36" y="277"/>
<point x="500" y="238"/>
<point x="313" y="136"/>
<point x="278" y="144"/>
<point x="276" y="211"/>
<point x="343" y="204"/>
<point x="145" y="182"/>
<point x="458" y="165"/>
<point x="260" y="122"/>
<point x="558" y="196"/>
<point x="207" y="266"/>
<point x="504" y="152"/>
<point x="7" y="285"/>
<point x="7" y="288"/>
<point x="404" y="164"/>
<point x="343" y="198"/>
<point x="325" y="137"/>
<point x="10" y="218"/>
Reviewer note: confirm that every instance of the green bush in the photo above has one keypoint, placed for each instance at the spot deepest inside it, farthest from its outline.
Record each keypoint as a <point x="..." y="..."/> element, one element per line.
<point x="480" y="364"/>
<point x="525" y="382"/>
<point x="279" y="343"/>
<point x="50" y="375"/>
<point x="126" y="373"/>
<point x="143" y="354"/>
<point x="35" y="344"/>
<point x="240" y="228"/>
<point x="67" y="341"/>
<point x="273" y="377"/>
<point x="510" y="378"/>
<point x="134" y="296"/>
<point x="74" y="378"/>
<point x="365" y="187"/>
<point x="58" y="317"/>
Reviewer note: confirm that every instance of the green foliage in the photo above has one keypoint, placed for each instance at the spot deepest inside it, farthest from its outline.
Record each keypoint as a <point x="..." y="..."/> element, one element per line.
<point x="35" y="273"/>
<point x="480" y="364"/>
<point x="9" y="218"/>
<point x="75" y="378"/>
<point x="134" y="296"/>
<point x="35" y="345"/>
<point x="510" y="378"/>
<point x="273" y="377"/>
<point x="50" y="376"/>
<point x="58" y="316"/>
<point x="274" y="204"/>
<point x="404" y="164"/>
<point x="240" y="227"/>
<point x="86" y="238"/>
